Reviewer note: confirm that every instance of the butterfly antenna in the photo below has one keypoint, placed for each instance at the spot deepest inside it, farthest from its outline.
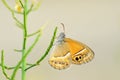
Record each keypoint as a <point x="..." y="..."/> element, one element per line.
<point x="63" y="27"/>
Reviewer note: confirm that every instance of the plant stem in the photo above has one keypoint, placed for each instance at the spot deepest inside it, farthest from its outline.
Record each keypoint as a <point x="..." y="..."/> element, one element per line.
<point x="46" y="52"/>
<point x="24" y="57"/>
<point x="49" y="47"/>
<point x="24" y="40"/>
<point x="3" y="66"/>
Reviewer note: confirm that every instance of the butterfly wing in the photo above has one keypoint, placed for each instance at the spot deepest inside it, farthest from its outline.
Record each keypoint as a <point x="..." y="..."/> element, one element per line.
<point x="60" y="50"/>
<point x="60" y="56"/>
<point x="80" y="53"/>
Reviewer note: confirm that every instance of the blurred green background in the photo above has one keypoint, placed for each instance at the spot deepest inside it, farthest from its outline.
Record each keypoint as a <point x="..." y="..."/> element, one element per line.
<point x="93" y="22"/>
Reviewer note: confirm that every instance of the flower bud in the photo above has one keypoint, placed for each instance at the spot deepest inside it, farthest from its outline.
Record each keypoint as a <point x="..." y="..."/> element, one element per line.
<point x="18" y="7"/>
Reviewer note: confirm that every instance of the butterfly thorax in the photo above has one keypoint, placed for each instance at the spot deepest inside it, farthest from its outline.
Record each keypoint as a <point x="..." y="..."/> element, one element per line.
<point x="60" y="38"/>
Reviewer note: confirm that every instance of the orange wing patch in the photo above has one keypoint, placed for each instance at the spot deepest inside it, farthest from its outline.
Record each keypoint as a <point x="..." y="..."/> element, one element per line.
<point x="74" y="46"/>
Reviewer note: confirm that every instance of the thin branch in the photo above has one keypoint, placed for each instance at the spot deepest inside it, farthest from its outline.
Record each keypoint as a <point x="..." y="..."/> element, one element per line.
<point x="18" y="22"/>
<point x="21" y="3"/>
<point x="5" y="3"/>
<point x="31" y="7"/>
<point x="18" y="50"/>
<point x="13" y="15"/>
<point x="8" y="68"/>
<point x="31" y="66"/>
<point x="32" y="34"/>
<point x="46" y="52"/>
<point x="37" y="5"/>
<point x="9" y="8"/>
<point x="49" y="47"/>
<point x="38" y="31"/>
<point x="26" y="54"/>
<point x="13" y="67"/>
<point x="2" y="64"/>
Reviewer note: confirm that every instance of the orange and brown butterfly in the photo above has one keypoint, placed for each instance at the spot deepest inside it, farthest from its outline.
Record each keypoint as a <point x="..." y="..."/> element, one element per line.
<point x="68" y="51"/>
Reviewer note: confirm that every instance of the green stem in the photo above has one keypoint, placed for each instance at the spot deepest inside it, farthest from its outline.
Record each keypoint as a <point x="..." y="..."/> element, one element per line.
<point x="46" y="52"/>
<point x="3" y="66"/>
<point x="5" y="3"/>
<point x="24" y="40"/>
<point x="49" y="47"/>
<point x="26" y="54"/>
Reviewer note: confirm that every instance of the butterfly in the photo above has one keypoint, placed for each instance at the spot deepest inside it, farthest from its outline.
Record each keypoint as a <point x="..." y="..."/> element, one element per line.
<point x="68" y="51"/>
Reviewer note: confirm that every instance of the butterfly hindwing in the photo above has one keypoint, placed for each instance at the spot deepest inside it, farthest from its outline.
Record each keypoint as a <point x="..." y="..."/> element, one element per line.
<point x="60" y="56"/>
<point x="80" y="53"/>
